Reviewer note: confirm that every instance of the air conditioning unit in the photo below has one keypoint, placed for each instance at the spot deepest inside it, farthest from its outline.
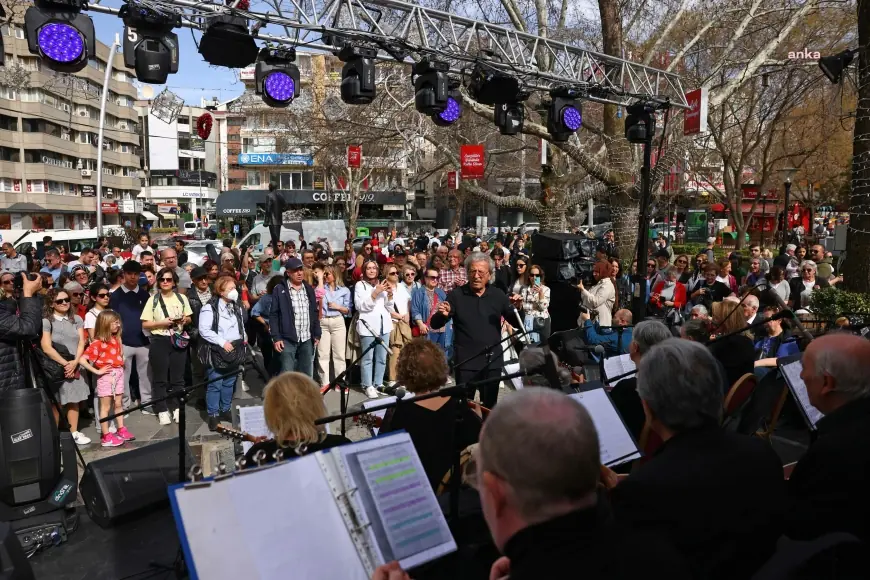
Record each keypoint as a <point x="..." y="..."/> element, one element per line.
<point x="82" y="113"/>
<point x="86" y="172"/>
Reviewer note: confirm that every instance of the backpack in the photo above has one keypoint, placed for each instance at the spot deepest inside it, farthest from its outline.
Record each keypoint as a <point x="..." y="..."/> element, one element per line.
<point x="212" y="355"/>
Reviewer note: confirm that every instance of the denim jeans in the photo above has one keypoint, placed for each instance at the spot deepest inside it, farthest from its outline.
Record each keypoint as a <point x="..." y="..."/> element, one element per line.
<point x="298" y="356"/>
<point x="219" y="392"/>
<point x="379" y="353"/>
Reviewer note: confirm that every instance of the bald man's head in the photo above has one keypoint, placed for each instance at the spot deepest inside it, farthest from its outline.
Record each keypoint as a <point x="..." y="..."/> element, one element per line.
<point x="622" y="317"/>
<point x="835" y="370"/>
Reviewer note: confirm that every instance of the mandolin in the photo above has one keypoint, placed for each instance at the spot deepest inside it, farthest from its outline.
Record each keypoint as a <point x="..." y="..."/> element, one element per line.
<point x="236" y="435"/>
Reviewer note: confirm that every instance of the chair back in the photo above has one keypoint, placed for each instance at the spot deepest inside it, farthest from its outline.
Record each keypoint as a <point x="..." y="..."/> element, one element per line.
<point x="761" y="411"/>
<point x="739" y="393"/>
<point x="648" y="443"/>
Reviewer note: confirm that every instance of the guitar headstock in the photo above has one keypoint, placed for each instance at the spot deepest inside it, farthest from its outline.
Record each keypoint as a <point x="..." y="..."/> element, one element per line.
<point x="237" y="435"/>
<point x="368" y="420"/>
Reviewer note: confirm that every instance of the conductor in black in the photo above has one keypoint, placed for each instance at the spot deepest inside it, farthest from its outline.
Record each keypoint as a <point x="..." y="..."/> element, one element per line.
<point x="477" y="309"/>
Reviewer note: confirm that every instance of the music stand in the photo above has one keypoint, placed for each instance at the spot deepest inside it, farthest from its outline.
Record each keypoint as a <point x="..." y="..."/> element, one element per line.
<point x="790" y="367"/>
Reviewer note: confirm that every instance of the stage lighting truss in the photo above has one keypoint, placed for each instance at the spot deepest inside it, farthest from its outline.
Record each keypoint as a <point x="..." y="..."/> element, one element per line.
<point x="150" y="46"/>
<point x="60" y="34"/>
<point x="431" y="86"/>
<point x="277" y="78"/>
<point x="408" y="32"/>
<point x="640" y="124"/>
<point x="357" y="75"/>
<point x="453" y="111"/>
<point x="564" y="115"/>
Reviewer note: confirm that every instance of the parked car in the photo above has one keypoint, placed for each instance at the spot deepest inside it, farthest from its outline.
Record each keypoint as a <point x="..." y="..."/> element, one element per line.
<point x="662" y="228"/>
<point x="190" y="228"/>
<point x="209" y="233"/>
<point x="359" y="242"/>
<point x="196" y="250"/>
<point x="528" y="227"/>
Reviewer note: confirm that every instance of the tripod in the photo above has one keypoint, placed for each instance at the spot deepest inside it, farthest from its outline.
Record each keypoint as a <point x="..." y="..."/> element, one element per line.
<point x="344" y="390"/>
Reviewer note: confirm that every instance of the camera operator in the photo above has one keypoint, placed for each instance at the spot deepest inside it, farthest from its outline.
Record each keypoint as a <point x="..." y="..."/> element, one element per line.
<point x="19" y="320"/>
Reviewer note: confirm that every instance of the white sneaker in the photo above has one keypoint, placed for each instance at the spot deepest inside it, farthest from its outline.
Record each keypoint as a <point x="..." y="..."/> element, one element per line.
<point x="80" y="438"/>
<point x="175" y="415"/>
<point x="148" y="411"/>
<point x="391" y="383"/>
<point x="163" y="418"/>
<point x="372" y="393"/>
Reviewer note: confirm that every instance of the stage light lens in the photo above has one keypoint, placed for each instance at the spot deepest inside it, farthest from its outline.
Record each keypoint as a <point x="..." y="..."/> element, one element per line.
<point x="453" y="111"/>
<point x="571" y="118"/>
<point x="60" y="42"/>
<point x="279" y="86"/>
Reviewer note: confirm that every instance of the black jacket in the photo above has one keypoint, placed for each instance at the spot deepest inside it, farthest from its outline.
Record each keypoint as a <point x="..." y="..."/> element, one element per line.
<point x="717" y="496"/>
<point x="828" y="487"/>
<point x="736" y="354"/>
<point x="796" y="286"/>
<point x="588" y="544"/>
<point x="19" y="321"/>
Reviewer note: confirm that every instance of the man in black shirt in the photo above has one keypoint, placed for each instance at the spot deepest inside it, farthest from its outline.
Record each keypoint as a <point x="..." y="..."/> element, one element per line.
<point x="503" y="278"/>
<point x="710" y="290"/>
<point x="477" y="309"/>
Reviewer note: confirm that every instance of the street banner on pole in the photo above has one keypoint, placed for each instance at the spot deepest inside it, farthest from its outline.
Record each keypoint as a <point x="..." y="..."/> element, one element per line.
<point x="695" y="119"/>
<point x="472" y="161"/>
<point x="354" y="155"/>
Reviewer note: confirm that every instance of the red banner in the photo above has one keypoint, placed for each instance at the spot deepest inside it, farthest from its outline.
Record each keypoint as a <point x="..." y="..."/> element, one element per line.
<point x="472" y="160"/>
<point x="109" y="207"/>
<point x="452" y="181"/>
<point x="695" y="119"/>
<point x="354" y="155"/>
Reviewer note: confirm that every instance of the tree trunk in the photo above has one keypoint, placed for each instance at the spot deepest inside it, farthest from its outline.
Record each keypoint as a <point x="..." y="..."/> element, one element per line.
<point x="857" y="274"/>
<point x="352" y="205"/>
<point x="625" y="221"/>
<point x="457" y="215"/>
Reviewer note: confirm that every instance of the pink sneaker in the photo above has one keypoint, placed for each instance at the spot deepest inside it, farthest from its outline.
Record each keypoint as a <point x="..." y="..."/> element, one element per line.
<point x="111" y="440"/>
<point x="125" y="435"/>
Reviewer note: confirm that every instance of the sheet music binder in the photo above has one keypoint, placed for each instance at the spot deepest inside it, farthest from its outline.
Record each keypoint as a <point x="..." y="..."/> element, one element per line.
<point x="337" y="513"/>
<point x="790" y="367"/>
<point x="617" y="444"/>
<point x="615" y="366"/>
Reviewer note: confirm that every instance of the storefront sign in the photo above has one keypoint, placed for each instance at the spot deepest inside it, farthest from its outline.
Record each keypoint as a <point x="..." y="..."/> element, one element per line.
<point x="452" y="181"/>
<point x="472" y="160"/>
<point x="695" y="119"/>
<point x="354" y="156"/>
<point x="88" y="191"/>
<point x="696" y="225"/>
<point x="275" y="159"/>
<point x="57" y="162"/>
<point x="109" y="207"/>
<point x="192" y="194"/>
<point x="167" y="208"/>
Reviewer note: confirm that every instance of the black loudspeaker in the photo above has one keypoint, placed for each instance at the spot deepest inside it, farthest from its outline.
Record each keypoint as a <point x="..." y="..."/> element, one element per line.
<point x="117" y="488"/>
<point x="556" y="246"/>
<point x="14" y="565"/>
<point x="564" y="300"/>
<point x="571" y="271"/>
<point x="29" y="447"/>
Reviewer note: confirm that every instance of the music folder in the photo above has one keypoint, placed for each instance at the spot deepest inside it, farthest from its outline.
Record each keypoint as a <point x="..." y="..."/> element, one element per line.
<point x="616" y="443"/>
<point x="337" y="513"/>
<point x="791" y="367"/>
<point x="615" y="366"/>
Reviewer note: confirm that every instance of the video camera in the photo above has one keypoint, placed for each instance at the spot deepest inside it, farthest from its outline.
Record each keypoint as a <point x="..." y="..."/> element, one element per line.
<point x="18" y="280"/>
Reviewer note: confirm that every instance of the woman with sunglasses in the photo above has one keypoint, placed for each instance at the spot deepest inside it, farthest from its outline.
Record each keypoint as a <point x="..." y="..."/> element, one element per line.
<point x="684" y="273"/>
<point x="373" y="299"/>
<point x="63" y="328"/>
<point x="401" y="315"/>
<point x="697" y="276"/>
<point x="335" y="307"/>
<point x="166" y="313"/>
<point x="801" y="289"/>
<point x="520" y="275"/>
<point x="424" y="303"/>
<point x="100" y="295"/>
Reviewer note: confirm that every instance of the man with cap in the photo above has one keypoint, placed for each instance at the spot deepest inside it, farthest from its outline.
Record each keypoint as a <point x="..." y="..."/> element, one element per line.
<point x="293" y="320"/>
<point x="400" y="257"/>
<point x="198" y="294"/>
<point x="129" y="301"/>
<point x="662" y="262"/>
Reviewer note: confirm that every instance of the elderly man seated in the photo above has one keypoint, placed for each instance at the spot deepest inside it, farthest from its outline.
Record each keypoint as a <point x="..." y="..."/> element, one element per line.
<point x="718" y="496"/>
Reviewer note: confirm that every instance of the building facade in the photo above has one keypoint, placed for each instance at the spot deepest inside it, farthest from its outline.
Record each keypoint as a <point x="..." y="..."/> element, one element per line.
<point x="179" y="169"/>
<point x="48" y="142"/>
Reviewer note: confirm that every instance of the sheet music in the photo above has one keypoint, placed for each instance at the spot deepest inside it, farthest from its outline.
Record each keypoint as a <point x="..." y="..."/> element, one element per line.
<point x="615" y="441"/>
<point x="511" y="368"/>
<point x="618" y="365"/>
<point x="407" y="523"/>
<point x="792" y="374"/>
<point x="279" y="522"/>
<point x="380" y="414"/>
<point x="252" y="419"/>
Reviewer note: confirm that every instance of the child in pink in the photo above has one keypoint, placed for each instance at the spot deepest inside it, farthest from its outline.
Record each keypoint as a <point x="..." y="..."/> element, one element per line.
<point x="106" y="354"/>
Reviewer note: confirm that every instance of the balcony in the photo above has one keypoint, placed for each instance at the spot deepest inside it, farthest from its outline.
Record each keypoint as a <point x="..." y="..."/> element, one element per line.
<point x="9" y="169"/>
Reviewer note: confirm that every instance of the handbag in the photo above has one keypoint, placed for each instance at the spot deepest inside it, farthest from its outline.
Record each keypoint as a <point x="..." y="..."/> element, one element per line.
<point x="179" y="339"/>
<point x="53" y="371"/>
<point x="212" y="355"/>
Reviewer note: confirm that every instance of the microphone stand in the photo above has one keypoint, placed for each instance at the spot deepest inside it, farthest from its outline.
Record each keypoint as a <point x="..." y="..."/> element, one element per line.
<point x="344" y="389"/>
<point x="458" y="392"/>
<point x="784" y="307"/>
<point x="779" y="316"/>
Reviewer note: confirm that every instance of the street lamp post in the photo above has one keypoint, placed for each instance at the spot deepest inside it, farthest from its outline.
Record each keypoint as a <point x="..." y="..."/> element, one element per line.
<point x="787" y="174"/>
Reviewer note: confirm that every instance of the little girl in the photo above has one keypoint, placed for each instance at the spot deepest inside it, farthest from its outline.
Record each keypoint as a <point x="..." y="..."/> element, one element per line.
<point x="107" y="356"/>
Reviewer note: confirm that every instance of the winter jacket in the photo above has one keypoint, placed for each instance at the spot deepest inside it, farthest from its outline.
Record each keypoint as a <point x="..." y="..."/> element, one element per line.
<point x="18" y="321"/>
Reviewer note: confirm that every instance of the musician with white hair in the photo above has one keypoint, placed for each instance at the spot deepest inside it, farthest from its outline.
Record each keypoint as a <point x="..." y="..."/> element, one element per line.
<point x="477" y="309"/>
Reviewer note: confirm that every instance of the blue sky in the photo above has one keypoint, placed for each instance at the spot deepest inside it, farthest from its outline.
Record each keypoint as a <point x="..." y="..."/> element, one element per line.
<point x="195" y="77"/>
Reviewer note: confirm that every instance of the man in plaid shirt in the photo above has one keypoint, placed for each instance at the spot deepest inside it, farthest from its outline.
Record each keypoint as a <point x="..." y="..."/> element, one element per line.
<point x="453" y="276"/>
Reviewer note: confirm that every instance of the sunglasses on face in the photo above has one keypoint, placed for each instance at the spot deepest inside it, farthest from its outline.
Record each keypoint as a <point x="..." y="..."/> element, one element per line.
<point x="167" y="280"/>
<point x="428" y="277"/>
<point x="807" y="270"/>
<point x="62" y="301"/>
<point x="520" y="266"/>
<point x="650" y="265"/>
<point x="6" y="282"/>
<point x="681" y="261"/>
<point x="409" y="274"/>
<point x="103" y="295"/>
<point x="76" y="294"/>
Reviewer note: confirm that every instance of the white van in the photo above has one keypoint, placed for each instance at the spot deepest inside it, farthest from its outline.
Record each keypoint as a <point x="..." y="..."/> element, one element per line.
<point x="74" y="240"/>
<point x="333" y="230"/>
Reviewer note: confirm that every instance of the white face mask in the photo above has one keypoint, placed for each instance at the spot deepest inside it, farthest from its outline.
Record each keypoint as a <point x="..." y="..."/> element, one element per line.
<point x="233" y="295"/>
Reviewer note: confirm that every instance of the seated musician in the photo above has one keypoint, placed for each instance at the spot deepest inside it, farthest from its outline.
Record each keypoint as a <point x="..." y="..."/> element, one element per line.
<point x="291" y="404"/>
<point x="778" y="342"/>
<point x="422" y="368"/>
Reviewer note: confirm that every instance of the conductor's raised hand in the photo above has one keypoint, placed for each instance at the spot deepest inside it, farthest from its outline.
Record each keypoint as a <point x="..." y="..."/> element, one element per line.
<point x="444" y="308"/>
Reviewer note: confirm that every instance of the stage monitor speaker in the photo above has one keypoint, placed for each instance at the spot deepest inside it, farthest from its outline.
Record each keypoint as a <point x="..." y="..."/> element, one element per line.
<point x="29" y="447"/>
<point x="571" y="271"/>
<point x="14" y="565"/>
<point x="559" y="246"/>
<point x="118" y="487"/>
<point x="564" y="300"/>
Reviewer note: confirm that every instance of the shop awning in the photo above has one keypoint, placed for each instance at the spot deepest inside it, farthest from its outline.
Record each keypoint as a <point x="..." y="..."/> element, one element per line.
<point x="169" y="216"/>
<point x="717" y="207"/>
<point x="150" y="216"/>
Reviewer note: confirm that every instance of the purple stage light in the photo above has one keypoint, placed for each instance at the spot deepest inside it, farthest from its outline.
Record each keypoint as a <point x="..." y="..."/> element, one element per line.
<point x="453" y="111"/>
<point x="571" y="118"/>
<point x="280" y="87"/>
<point x="60" y="42"/>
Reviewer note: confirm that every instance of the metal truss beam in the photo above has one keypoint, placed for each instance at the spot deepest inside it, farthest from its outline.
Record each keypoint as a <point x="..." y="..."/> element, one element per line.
<point x="407" y="32"/>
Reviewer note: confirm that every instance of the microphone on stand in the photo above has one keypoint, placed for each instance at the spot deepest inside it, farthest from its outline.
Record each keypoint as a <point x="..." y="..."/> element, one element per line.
<point x="377" y="337"/>
<point x="526" y="339"/>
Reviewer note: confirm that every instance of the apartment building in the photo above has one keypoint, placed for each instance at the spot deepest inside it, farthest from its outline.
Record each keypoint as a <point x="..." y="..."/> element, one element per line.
<point x="48" y="142"/>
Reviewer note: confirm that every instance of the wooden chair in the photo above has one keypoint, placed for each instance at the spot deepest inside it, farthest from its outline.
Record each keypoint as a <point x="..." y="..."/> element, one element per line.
<point x="770" y="424"/>
<point x="739" y="393"/>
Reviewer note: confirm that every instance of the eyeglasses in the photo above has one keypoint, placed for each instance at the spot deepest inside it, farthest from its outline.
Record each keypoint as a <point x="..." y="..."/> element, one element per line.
<point x="807" y="270"/>
<point x="682" y="261"/>
<point x="392" y="273"/>
<point x="167" y="280"/>
<point x="520" y="265"/>
<point x="62" y="301"/>
<point x="76" y="294"/>
<point x="103" y="295"/>
<point x="431" y="277"/>
<point x="409" y="274"/>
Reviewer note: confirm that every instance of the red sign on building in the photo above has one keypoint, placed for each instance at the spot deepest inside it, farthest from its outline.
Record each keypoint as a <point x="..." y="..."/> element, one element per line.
<point x="452" y="182"/>
<point x="354" y="155"/>
<point x="472" y="161"/>
<point x="695" y="119"/>
<point x="109" y="207"/>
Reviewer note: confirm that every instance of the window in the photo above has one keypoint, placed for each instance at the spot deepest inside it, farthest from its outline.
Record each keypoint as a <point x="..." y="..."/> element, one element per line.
<point x="31" y="95"/>
<point x="295" y="180"/>
<point x="57" y="188"/>
<point x="119" y="75"/>
<point x="8" y="93"/>
<point x="13" y="30"/>
<point x="8" y="123"/>
<point x="234" y="137"/>
<point x="97" y="64"/>
<point x="253" y="178"/>
<point x="125" y="148"/>
<point x="36" y="186"/>
<point x="235" y="121"/>
<point x="9" y="154"/>
<point x="10" y="185"/>
<point x="258" y="144"/>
